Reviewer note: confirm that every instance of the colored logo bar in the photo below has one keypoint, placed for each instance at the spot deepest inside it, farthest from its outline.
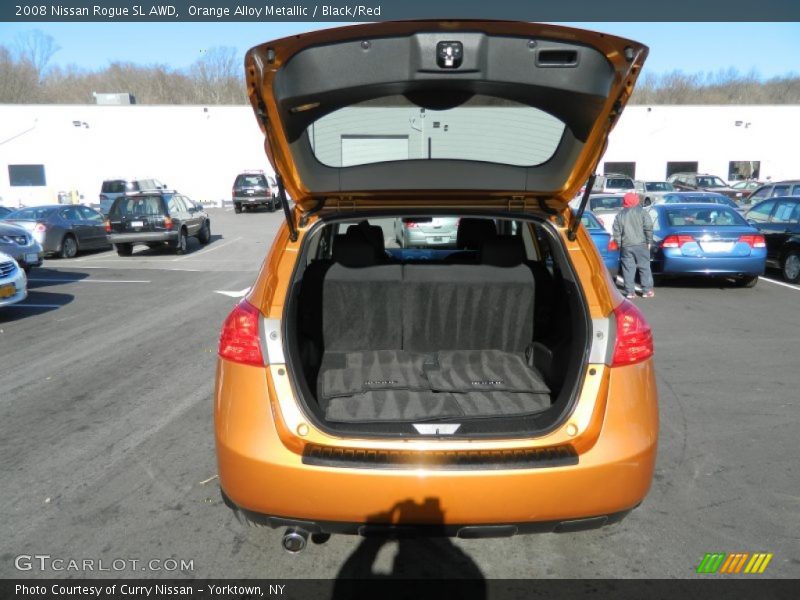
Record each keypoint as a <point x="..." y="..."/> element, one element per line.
<point x="737" y="562"/>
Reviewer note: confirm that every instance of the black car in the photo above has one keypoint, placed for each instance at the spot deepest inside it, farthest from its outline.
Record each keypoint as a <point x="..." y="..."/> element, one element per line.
<point x="156" y="219"/>
<point x="252" y="189"/>
<point x="778" y="219"/>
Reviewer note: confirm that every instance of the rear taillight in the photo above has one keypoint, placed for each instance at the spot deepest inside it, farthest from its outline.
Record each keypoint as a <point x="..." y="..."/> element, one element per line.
<point x="40" y="228"/>
<point x="410" y="224"/>
<point x="167" y="222"/>
<point x="239" y="341"/>
<point x="612" y="245"/>
<point x="754" y="241"/>
<point x="634" y="341"/>
<point x="676" y="241"/>
<point x="108" y="226"/>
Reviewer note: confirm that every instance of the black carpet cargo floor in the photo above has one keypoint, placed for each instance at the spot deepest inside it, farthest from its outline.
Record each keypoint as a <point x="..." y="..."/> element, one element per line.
<point x="395" y="385"/>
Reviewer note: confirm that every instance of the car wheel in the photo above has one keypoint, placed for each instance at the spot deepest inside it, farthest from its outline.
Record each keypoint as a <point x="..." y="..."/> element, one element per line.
<point x="181" y="242"/>
<point x="205" y="233"/>
<point x="69" y="247"/>
<point x="748" y="281"/>
<point x="237" y="208"/>
<point x="124" y="249"/>
<point x="647" y="202"/>
<point x="791" y="267"/>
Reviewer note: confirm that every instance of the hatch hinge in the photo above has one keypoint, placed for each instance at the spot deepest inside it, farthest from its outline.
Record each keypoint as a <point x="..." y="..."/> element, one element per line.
<point x="342" y="203"/>
<point x="287" y="213"/>
<point x="517" y="204"/>
<point x="579" y="213"/>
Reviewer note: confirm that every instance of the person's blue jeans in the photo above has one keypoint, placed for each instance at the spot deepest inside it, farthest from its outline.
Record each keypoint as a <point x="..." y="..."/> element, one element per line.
<point x="633" y="258"/>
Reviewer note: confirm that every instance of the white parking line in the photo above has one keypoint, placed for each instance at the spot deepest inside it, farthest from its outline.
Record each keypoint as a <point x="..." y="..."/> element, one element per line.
<point x="201" y="252"/>
<point x="62" y="280"/>
<point x="781" y="283"/>
<point x="36" y="306"/>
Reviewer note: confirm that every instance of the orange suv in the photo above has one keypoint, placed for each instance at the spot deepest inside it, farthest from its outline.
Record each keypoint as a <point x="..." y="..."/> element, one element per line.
<point x="488" y="386"/>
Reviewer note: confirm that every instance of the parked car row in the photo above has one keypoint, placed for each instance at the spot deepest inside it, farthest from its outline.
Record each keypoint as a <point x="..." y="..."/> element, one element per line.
<point x="155" y="218"/>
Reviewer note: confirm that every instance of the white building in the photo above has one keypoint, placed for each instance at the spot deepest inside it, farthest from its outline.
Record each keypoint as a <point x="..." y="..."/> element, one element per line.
<point x="68" y="150"/>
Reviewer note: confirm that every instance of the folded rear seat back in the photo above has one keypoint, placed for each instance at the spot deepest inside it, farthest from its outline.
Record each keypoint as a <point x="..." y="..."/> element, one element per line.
<point x="361" y="301"/>
<point x="467" y="307"/>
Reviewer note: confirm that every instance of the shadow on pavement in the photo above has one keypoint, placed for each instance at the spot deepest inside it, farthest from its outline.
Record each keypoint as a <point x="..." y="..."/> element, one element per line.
<point x="449" y="570"/>
<point x="36" y="303"/>
<point x="44" y="276"/>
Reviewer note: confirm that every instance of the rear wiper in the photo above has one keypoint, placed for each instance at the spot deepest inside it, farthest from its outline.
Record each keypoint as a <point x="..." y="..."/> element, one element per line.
<point x="579" y="215"/>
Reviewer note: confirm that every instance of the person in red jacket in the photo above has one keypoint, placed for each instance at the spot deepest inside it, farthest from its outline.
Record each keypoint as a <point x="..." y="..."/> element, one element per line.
<point x="633" y="232"/>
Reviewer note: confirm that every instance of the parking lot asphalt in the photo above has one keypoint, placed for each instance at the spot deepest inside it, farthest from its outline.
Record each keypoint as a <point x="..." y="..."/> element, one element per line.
<point x="108" y="453"/>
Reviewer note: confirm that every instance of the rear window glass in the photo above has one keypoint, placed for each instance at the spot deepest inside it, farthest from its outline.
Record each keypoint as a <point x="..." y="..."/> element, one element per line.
<point x="251" y="180"/>
<point x="659" y="186"/>
<point x="140" y="205"/>
<point x="483" y="129"/>
<point x="599" y="203"/>
<point x="619" y="183"/>
<point x="717" y="216"/>
<point x="118" y="186"/>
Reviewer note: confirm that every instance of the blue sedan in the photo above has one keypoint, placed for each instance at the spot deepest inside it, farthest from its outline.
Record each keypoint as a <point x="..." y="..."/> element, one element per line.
<point x="699" y="239"/>
<point x="607" y="247"/>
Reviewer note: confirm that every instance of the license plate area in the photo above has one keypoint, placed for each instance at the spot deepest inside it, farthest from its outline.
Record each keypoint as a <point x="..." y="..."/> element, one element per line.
<point x="31" y="258"/>
<point x="7" y="290"/>
<point x="136" y="224"/>
<point x="716" y="247"/>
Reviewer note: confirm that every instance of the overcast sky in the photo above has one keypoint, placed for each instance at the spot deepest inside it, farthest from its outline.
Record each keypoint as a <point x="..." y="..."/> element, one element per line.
<point x="772" y="49"/>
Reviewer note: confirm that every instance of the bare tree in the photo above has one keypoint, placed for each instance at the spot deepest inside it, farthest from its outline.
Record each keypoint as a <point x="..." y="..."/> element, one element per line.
<point x="36" y="48"/>
<point x="218" y="77"/>
<point x="19" y="82"/>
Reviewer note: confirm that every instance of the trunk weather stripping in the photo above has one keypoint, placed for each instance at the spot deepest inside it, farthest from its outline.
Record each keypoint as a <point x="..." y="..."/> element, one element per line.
<point x="286" y="212"/>
<point x="579" y="215"/>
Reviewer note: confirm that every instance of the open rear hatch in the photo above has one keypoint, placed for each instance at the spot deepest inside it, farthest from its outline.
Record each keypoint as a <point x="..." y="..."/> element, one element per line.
<point x="445" y="109"/>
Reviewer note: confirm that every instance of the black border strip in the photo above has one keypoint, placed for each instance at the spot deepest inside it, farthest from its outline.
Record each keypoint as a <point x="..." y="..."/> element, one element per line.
<point x="387" y="10"/>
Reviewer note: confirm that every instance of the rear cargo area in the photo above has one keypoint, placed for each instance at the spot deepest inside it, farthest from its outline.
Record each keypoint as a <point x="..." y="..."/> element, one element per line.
<point x="474" y="334"/>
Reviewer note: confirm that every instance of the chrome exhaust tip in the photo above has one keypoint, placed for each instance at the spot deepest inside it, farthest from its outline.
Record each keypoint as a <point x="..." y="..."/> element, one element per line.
<point x="294" y="540"/>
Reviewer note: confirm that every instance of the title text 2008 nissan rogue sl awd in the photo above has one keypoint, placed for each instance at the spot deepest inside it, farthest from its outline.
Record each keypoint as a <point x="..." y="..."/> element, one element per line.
<point x="496" y="386"/>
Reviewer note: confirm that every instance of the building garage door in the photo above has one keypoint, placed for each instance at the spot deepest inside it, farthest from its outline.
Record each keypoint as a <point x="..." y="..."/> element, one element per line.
<point x="361" y="149"/>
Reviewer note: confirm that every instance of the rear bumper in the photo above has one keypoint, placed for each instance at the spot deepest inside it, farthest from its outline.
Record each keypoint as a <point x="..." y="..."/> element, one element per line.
<point x="142" y="237"/>
<point x="265" y="479"/>
<point x="470" y="531"/>
<point x="22" y="253"/>
<point x="256" y="200"/>
<point x="687" y="265"/>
